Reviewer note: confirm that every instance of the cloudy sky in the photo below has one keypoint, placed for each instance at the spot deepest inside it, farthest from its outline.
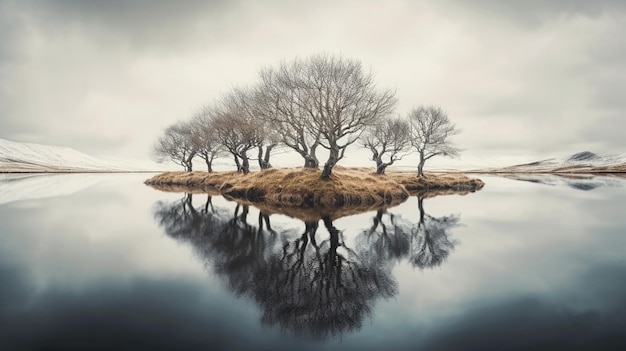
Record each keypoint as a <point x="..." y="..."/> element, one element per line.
<point x="518" y="77"/>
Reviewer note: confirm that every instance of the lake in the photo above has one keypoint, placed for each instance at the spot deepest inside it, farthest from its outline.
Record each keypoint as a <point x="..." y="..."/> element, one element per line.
<point x="101" y="261"/>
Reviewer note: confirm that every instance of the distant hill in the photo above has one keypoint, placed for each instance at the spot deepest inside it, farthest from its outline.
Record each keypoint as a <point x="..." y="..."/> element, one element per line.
<point x="31" y="158"/>
<point x="582" y="162"/>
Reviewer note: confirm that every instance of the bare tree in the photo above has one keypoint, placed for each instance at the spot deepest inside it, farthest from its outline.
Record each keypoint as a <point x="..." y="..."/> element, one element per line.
<point x="343" y="100"/>
<point x="176" y="144"/>
<point x="204" y="137"/>
<point x="323" y="101"/>
<point x="269" y="142"/>
<point x="236" y="127"/>
<point x="430" y="129"/>
<point x="281" y="98"/>
<point x="388" y="141"/>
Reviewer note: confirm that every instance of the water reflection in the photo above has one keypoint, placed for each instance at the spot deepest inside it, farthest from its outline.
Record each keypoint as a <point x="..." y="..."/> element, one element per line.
<point x="426" y="244"/>
<point x="583" y="182"/>
<point x="308" y="281"/>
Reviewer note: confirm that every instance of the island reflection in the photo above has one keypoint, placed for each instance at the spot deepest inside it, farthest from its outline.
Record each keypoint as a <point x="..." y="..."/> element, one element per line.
<point x="308" y="280"/>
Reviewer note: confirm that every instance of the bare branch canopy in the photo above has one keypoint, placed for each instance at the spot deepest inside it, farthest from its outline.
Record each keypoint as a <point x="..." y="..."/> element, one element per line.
<point x="430" y="130"/>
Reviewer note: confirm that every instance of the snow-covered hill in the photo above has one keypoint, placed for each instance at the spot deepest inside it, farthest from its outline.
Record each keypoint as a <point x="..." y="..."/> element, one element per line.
<point x="25" y="157"/>
<point x="582" y="162"/>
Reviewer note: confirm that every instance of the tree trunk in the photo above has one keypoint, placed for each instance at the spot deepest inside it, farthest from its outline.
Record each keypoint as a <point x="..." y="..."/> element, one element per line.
<point x="265" y="218"/>
<point x="260" y="157"/>
<point x="266" y="157"/>
<point x="330" y="163"/>
<point x="313" y="161"/>
<point x="420" y="206"/>
<point x="310" y="159"/>
<point x="381" y="166"/>
<point x="188" y="202"/>
<point x="380" y="169"/>
<point x="207" y="204"/>
<point x="420" y="167"/>
<point x="209" y="166"/>
<point x="244" y="214"/>
<point x="333" y="261"/>
<point x="188" y="165"/>
<point x="237" y="163"/>
<point x="310" y="162"/>
<point x="310" y="229"/>
<point x="245" y="164"/>
<point x="328" y="169"/>
<point x="189" y="162"/>
<point x="377" y="221"/>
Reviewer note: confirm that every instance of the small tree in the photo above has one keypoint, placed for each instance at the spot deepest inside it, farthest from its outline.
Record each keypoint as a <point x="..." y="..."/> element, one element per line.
<point x="388" y="141"/>
<point x="270" y="141"/>
<point x="281" y="101"/>
<point x="176" y="144"/>
<point x="236" y="127"/>
<point x="430" y="129"/>
<point x="204" y="137"/>
<point x="270" y="137"/>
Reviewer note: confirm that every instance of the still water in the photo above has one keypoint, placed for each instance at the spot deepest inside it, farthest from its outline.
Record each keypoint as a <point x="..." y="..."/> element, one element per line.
<point x="105" y="262"/>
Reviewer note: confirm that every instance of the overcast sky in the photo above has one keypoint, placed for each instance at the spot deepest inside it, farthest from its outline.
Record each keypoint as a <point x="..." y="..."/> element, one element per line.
<point x="518" y="77"/>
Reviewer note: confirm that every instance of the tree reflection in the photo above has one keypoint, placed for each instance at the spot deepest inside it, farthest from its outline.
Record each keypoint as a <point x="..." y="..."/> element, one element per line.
<point x="307" y="281"/>
<point x="426" y="244"/>
<point x="320" y="288"/>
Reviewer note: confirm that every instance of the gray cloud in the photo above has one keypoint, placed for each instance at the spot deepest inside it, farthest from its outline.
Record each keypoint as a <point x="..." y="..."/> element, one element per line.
<point x="106" y="76"/>
<point x="537" y="12"/>
<point x="140" y="22"/>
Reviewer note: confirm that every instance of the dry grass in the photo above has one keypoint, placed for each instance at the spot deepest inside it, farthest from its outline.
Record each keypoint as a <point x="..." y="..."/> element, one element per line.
<point x="352" y="190"/>
<point x="447" y="182"/>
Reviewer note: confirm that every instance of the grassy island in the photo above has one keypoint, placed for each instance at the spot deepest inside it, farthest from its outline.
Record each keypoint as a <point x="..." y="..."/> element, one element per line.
<point x="302" y="187"/>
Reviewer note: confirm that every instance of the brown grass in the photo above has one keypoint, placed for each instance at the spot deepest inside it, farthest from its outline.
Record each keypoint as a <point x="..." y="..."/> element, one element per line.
<point x="288" y="189"/>
<point x="446" y="182"/>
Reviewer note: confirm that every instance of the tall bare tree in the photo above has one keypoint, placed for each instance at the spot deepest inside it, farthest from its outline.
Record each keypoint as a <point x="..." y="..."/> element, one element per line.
<point x="236" y="127"/>
<point x="430" y="130"/>
<point x="388" y="141"/>
<point x="176" y="144"/>
<point x="204" y="137"/>
<point x="270" y="140"/>
<point x="323" y="101"/>
<point x="281" y="97"/>
<point x="343" y="100"/>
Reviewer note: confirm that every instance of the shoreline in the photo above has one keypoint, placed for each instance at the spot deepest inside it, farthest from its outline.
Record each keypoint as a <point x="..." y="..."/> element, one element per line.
<point x="302" y="188"/>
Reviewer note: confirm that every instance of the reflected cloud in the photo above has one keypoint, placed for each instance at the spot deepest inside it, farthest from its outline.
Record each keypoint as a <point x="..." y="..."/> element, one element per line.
<point x="592" y="320"/>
